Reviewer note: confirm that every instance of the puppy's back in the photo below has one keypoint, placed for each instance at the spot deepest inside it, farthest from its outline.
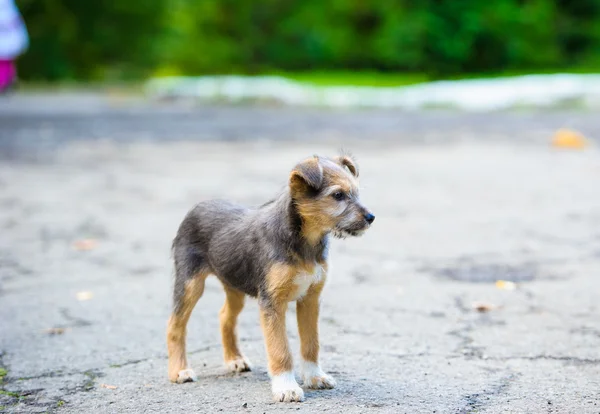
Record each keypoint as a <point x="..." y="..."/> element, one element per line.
<point x="205" y="219"/>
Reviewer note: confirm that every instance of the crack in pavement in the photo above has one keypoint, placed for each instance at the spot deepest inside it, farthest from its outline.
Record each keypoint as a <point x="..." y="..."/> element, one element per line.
<point x="20" y="395"/>
<point x="26" y="397"/>
<point x="99" y="370"/>
<point x="569" y="359"/>
<point x="477" y="401"/>
<point x="465" y="345"/>
<point x="75" y="321"/>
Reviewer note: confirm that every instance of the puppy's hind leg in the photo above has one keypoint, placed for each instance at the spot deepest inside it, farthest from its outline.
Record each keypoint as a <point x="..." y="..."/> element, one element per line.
<point x="234" y="303"/>
<point x="190" y="274"/>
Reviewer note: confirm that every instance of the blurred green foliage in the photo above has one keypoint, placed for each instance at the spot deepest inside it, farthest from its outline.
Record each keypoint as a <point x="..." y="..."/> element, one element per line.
<point x="110" y="39"/>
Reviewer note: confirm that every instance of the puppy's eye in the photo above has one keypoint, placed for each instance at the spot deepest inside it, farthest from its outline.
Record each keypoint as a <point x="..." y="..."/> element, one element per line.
<point x="338" y="195"/>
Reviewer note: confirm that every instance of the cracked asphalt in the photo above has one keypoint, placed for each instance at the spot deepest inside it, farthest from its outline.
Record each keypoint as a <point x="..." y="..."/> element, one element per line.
<point x="92" y="189"/>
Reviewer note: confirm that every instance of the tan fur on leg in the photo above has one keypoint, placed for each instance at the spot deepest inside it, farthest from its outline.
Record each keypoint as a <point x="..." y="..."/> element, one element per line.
<point x="179" y="370"/>
<point x="278" y="349"/>
<point x="234" y="303"/>
<point x="281" y="288"/>
<point x="307" y="312"/>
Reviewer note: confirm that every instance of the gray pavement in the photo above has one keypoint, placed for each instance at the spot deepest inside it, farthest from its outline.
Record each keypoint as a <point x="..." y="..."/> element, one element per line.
<point x="92" y="191"/>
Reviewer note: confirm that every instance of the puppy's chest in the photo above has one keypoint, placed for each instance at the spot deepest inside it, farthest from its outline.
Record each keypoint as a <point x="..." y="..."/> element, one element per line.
<point x="303" y="280"/>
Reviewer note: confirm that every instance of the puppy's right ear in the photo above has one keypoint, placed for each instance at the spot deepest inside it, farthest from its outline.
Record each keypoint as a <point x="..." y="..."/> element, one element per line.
<point x="306" y="177"/>
<point x="348" y="162"/>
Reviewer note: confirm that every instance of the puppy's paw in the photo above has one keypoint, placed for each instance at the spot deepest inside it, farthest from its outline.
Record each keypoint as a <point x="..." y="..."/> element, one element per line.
<point x="322" y="382"/>
<point x="294" y="394"/>
<point x="286" y="389"/>
<point x="240" y="364"/>
<point x="186" y="375"/>
<point x="315" y="378"/>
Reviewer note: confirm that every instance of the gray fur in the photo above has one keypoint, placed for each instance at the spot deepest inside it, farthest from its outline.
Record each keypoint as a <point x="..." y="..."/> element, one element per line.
<point x="238" y="244"/>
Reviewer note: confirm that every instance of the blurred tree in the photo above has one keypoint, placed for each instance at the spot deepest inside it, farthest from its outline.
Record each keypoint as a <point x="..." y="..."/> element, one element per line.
<point x="91" y="40"/>
<point x="108" y="39"/>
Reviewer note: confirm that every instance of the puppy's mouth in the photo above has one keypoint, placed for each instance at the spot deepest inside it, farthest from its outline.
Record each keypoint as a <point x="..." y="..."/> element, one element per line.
<point x="342" y="233"/>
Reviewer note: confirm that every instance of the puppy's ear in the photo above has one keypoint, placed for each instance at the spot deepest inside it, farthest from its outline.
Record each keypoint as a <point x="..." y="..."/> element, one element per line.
<point x="307" y="176"/>
<point x="349" y="162"/>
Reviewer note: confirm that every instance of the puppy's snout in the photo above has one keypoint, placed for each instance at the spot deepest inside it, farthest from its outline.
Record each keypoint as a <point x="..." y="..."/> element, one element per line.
<point x="370" y="218"/>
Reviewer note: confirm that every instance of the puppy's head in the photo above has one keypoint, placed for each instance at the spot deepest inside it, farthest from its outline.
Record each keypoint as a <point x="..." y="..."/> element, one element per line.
<point x="325" y="191"/>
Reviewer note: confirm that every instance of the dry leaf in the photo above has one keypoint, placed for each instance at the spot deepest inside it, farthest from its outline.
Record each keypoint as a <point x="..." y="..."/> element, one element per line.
<point x="55" y="331"/>
<point x="110" y="387"/>
<point x="84" y="295"/>
<point x="566" y="138"/>
<point x="506" y="285"/>
<point x="85" y="244"/>
<point x="483" y="307"/>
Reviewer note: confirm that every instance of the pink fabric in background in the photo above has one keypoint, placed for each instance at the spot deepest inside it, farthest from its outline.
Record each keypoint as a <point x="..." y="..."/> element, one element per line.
<point x="7" y="73"/>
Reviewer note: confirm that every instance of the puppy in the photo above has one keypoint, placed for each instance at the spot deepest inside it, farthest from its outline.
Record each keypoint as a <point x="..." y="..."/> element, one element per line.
<point x="276" y="253"/>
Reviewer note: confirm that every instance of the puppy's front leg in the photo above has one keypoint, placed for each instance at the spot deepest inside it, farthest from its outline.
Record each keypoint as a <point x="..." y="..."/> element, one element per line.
<point x="307" y="312"/>
<point x="283" y="383"/>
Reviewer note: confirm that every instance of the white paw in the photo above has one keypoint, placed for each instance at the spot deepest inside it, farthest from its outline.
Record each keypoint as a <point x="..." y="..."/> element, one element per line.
<point x="239" y="365"/>
<point x="322" y="382"/>
<point x="315" y="378"/>
<point x="285" y="388"/>
<point x="186" y="375"/>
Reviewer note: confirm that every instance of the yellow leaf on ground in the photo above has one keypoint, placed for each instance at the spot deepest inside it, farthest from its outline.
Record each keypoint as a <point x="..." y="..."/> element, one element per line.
<point x="506" y="285"/>
<point x="567" y="138"/>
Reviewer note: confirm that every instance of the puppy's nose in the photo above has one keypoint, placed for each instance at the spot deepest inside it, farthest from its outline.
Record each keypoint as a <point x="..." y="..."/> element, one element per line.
<point x="370" y="218"/>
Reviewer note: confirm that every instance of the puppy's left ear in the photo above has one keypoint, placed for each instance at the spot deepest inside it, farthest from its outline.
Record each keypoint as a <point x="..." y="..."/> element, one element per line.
<point x="307" y="176"/>
<point x="349" y="162"/>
